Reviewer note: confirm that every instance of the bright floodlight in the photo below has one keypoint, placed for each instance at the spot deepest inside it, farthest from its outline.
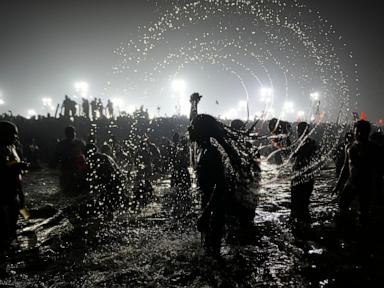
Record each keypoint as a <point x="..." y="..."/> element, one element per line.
<point x="288" y="107"/>
<point x="179" y="85"/>
<point x="183" y="105"/>
<point x="266" y="94"/>
<point x="315" y="96"/>
<point x="2" y="102"/>
<point x="47" y="102"/>
<point x="82" y="88"/>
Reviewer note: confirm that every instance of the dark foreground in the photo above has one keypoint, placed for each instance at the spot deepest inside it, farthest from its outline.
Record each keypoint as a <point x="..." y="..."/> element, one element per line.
<point x="153" y="249"/>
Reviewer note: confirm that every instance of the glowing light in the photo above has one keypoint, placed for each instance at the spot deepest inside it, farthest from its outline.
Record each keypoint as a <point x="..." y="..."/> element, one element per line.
<point x="130" y="109"/>
<point x="242" y="104"/>
<point x="179" y="85"/>
<point x="47" y="102"/>
<point x="82" y="88"/>
<point x="118" y="102"/>
<point x="269" y="113"/>
<point x="266" y="95"/>
<point x="183" y="105"/>
<point x="31" y="113"/>
<point x="315" y="96"/>
<point x="2" y="102"/>
<point x="237" y="112"/>
<point x="288" y="107"/>
<point x="300" y="115"/>
<point x="231" y="114"/>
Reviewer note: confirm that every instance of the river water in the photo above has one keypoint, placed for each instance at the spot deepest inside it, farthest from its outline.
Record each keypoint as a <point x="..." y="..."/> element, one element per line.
<point x="154" y="249"/>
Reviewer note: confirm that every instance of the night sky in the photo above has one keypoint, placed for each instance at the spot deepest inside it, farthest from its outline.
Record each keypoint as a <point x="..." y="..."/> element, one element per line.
<point x="47" y="46"/>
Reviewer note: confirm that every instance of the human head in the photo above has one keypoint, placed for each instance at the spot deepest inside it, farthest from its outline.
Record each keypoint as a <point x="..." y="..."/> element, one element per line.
<point x="302" y="128"/>
<point x="361" y="130"/>
<point x="8" y="133"/>
<point x="203" y="127"/>
<point x="272" y="125"/>
<point x="237" y="124"/>
<point x="70" y="132"/>
<point x="106" y="149"/>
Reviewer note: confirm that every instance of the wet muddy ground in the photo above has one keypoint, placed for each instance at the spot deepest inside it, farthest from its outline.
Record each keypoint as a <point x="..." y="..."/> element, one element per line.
<point x="154" y="249"/>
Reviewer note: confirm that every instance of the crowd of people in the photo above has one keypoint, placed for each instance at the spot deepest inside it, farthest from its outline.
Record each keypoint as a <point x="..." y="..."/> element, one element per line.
<point x="90" y="109"/>
<point x="114" y="168"/>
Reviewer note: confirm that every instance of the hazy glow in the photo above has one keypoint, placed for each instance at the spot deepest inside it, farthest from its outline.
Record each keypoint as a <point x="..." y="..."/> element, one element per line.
<point x="231" y="114"/>
<point x="31" y="113"/>
<point x="46" y="101"/>
<point x="300" y="114"/>
<point x="82" y="88"/>
<point x="179" y="85"/>
<point x="118" y="102"/>
<point x="266" y="95"/>
<point x="238" y="112"/>
<point x="315" y="96"/>
<point x="130" y="109"/>
<point x="288" y="107"/>
<point x="2" y="102"/>
<point x="242" y="104"/>
<point x="269" y="113"/>
<point x="183" y="105"/>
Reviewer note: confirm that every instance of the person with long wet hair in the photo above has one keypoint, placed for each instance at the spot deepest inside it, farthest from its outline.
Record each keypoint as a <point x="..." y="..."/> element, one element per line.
<point x="224" y="173"/>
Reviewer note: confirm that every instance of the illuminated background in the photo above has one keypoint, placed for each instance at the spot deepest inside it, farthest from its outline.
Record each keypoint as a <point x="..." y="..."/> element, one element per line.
<point x="88" y="48"/>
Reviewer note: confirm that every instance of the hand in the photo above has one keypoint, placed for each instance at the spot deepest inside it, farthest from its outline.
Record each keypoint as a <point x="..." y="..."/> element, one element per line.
<point x="195" y="98"/>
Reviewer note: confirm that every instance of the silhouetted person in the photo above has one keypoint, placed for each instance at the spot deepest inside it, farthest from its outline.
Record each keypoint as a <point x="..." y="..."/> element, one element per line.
<point x="11" y="193"/>
<point x="194" y="99"/>
<point x="94" y="108"/>
<point x="303" y="179"/>
<point x="180" y="177"/>
<point x="212" y="184"/>
<point x="221" y="196"/>
<point x="280" y="139"/>
<point x="341" y="151"/>
<point x="73" y="108"/>
<point x="70" y="155"/>
<point x="106" y="182"/>
<point x="237" y="124"/>
<point x="85" y="107"/>
<point x="143" y="189"/>
<point x="100" y="107"/>
<point x="67" y="103"/>
<point x="109" y="108"/>
<point x="358" y="178"/>
<point x="32" y="154"/>
<point x="280" y="128"/>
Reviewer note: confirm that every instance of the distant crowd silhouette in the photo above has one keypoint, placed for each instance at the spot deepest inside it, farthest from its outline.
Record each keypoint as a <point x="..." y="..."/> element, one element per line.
<point x="113" y="160"/>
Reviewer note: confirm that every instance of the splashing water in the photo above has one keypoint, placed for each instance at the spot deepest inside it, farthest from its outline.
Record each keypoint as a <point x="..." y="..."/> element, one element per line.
<point x="279" y="47"/>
